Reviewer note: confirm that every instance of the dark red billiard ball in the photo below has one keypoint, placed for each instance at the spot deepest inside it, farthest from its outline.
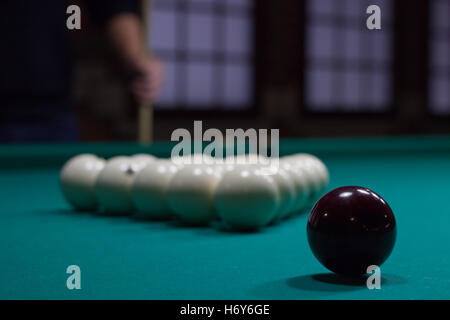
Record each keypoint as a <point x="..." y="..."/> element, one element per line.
<point x="351" y="228"/>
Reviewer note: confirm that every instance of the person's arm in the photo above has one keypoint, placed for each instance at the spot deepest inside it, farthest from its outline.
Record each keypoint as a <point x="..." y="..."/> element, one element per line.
<point x="125" y="33"/>
<point x="121" y="22"/>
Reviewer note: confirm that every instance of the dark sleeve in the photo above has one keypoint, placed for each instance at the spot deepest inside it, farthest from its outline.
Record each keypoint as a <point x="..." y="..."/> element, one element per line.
<point x="102" y="11"/>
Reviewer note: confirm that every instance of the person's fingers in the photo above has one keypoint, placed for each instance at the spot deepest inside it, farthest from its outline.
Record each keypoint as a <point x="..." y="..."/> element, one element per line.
<point x="151" y="80"/>
<point x="146" y="85"/>
<point x="151" y="76"/>
<point x="146" y="92"/>
<point x="157" y="67"/>
<point x="146" y="95"/>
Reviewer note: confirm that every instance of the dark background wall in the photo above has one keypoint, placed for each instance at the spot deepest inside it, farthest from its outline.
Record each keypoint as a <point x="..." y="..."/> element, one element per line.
<point x="105" y="111"/>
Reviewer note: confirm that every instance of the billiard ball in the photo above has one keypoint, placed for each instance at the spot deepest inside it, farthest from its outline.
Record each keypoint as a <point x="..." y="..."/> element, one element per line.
<point x="246" y="198"/>
<point x="324" y="173"/>
<point x="221" y="167"/>
<point x="302" y="183"/>
<point x="190" y="194"/>
<point x="143" y="159"/>
<point x="149" y="190"/>
<point x="113" y="185"/>
<point x="310" y="172"/>
<point x="181" y="161"/>
<point x="286" y="188"/>
<point x="208" y="160"/>
<point x="350" y="229"/>
<point x="77" y="180"/>
<point x="250" y="159"/>
<point x="317" y="166"/>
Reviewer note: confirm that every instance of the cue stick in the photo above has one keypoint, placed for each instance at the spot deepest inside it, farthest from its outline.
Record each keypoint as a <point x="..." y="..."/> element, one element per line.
<point x="145" y="113"/>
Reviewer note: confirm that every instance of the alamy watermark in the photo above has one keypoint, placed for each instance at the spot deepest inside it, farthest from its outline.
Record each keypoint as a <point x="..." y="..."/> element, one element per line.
<point x="374" y="20"/>
<point x="73" y="21"/>
<point x="374" y="279"/>
<point x="230" y="148"/>
<point x="73" y="282"/>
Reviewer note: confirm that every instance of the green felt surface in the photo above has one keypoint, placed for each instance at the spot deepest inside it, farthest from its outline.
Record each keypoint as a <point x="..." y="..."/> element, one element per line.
<point x="121" y="258"/>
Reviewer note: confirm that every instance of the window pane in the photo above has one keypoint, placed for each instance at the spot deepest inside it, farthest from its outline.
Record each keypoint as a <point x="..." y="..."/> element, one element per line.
<point x="238" y="89"/>
<point x="238" y="35"/>
<point x="163" y="4"/>
<point x="200" y="32"/>
<point x="320" y="7"/>
<point x="440" y="14"/>
<point x="240" y="3"/>
<point x="202" y="1"/>
<point x="200" y="84"/>
<point x="381" y="46"/>
<point x="440" y="96"/>
<point x="207" y="47"/>
<point x="342" y="56"/>
<point x="352" y="8"/>
<point x="320" y="42"/>
<point x="319" y="89"/>
<point x="365" y="88"/>
<point x="351" y="91"/>
<point x="352" y="44"/>
<point x="381" y="86"/>
<point x="439" y="55"/>
<point x="162" y="36"/>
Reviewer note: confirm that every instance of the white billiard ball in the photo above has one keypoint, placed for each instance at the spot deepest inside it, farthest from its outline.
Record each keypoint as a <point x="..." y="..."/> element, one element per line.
<point x="191" y="193"/>
<point x="316" y="168"/>
<point x="303" y="185"/>
<point x="324" y="174"/>
<point x="299" y="162"/>
<point x="245" y="159"/>
<point x="288" y="194"/>
<point x="149" y="190"/>
<point x="251" y="159"/>
<point x="230" y="160"/>
<point x="113" y="186"/>
<point x="202" y="159"/>
<point x="143" y="159"/>
<point x="221" y="168"/>
<point x="247" y="199"/>
<point x="181" y="161"/>
<point x="77" y="180"/>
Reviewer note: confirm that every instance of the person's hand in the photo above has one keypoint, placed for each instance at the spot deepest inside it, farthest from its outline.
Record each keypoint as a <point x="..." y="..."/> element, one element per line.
<point x="147" y="78"/>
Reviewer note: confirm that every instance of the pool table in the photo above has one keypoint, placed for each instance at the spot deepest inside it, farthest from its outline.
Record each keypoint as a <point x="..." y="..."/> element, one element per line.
<point x="122" y="258"/>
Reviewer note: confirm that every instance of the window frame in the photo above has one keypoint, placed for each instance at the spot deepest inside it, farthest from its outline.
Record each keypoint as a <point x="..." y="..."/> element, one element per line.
<point x="219" y="110"/>
<point x="444" y="117"/>
<point x="391" y="109"/>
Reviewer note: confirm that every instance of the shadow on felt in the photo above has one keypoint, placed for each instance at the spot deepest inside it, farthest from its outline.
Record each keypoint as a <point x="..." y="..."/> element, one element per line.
<point x="318" y="285"/>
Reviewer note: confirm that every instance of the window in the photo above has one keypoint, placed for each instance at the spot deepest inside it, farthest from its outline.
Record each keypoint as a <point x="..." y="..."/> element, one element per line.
<point x="207" y="47"/>
<point x="439" y="73"/>
<point x="348" y="67"/>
